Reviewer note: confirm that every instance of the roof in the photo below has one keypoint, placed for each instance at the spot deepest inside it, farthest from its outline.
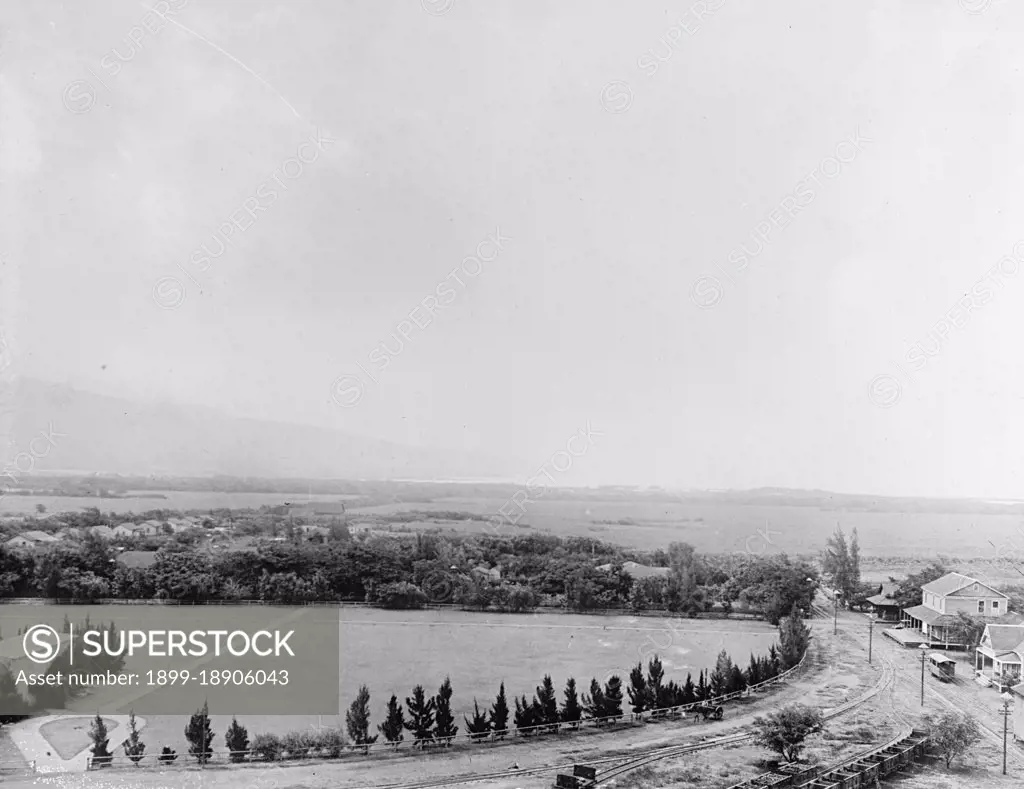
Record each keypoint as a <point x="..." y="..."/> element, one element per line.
<point x="883" y="600"/>
<point x="954" y="582"/>
<point x="1005" y="638"/>
<point x="38" y="536"/>
<point x="929" y="615"/>
<point x="642" y="571"/>
<point x="938" y="657"/>
<point x="137" y="559"/>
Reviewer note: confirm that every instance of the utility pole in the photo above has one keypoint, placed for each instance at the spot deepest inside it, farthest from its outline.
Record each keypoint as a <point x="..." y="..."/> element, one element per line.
<point x="871" y="633"/>
<point x="835" y="616"/>
<point x="924" y="649"/>
<point x="1007" y="701"/>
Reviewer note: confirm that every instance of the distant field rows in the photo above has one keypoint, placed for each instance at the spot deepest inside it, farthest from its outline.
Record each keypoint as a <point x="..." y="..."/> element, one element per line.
<point x="754" y="529"/>
<point x="730" y="527"/>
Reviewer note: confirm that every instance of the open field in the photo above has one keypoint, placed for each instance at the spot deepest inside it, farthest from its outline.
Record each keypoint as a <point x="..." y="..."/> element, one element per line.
<point x="839" y="672"/>
<point x="392" y="651"/>
<point x="648" y="525"/>
<point x="641" y="522"/>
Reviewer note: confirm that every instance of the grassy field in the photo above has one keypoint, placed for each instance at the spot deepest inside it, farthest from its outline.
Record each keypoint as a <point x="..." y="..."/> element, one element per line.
<point x="392" y="651"/>
<point x="648" y="525"/>
<point x="643" y="523"/>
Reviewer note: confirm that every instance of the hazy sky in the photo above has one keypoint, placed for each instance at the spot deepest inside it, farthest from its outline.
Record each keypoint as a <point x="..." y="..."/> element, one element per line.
<point x="613" y="202"/>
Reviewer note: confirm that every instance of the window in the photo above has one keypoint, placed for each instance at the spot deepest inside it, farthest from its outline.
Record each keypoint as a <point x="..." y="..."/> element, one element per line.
<point x="981" y="606"/>
<point x="995" y="606"/>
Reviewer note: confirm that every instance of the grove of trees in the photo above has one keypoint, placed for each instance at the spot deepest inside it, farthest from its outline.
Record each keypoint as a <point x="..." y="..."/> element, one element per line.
<point x="571" y="573"/>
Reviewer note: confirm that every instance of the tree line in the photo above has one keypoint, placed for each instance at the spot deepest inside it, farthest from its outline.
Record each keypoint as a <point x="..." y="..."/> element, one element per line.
<point x="477" y="572"/>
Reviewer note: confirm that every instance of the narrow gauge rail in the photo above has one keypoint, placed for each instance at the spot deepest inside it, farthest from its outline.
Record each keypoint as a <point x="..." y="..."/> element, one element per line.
<point x="888" y="678"/>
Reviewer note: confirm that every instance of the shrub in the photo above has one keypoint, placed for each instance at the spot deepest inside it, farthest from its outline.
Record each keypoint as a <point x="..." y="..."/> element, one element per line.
<point x="297" y="744"/>
<point x="267" y="746"/>
<point x="953" y="735"/>
<point x="402" y="595"/>
<point x="329" y="742"/>
<point x="785" y="732"/>
<point x="167" y="754"/>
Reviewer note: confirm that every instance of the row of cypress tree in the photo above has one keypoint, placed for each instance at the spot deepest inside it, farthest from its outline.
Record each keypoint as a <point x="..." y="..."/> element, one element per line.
<point x="429" y="719"/>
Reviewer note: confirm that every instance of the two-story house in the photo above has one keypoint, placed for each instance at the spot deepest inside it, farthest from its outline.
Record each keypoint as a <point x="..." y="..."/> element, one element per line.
<point x="944" y="597"/>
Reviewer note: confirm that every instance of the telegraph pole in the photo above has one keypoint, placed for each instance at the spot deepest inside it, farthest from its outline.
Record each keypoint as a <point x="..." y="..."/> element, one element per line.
<point x="924" y="649"/>
<point x="1007" y="701"/>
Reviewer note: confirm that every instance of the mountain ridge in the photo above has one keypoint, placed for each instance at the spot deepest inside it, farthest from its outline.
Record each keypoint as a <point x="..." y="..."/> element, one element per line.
<point x="96" y="431"/>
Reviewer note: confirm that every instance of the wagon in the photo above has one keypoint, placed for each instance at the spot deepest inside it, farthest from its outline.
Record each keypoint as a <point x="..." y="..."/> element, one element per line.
<point x="706" y="711"/>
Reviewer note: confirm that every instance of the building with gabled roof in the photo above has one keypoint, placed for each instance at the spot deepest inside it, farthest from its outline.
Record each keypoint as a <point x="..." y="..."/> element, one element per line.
<point x="944" y="598"/>
<point x="1001" y="650"/>
<point x="31" y="540"/>
<point x="883" y="603"/>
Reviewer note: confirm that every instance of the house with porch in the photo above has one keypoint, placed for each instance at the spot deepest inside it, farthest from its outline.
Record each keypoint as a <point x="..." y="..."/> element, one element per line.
<point x="1001" y="650"/>
<point x="943" y="598"/>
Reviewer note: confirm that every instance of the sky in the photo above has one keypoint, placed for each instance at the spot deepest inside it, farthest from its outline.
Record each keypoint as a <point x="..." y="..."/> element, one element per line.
<point x="731" y="237"/>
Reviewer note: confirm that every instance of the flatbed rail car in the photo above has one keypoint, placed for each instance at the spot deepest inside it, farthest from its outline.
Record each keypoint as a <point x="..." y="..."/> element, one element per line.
<point x="942" y="667"/>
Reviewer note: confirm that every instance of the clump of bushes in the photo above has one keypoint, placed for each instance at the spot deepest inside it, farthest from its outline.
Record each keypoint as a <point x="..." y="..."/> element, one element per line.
<point x="327" y="743"/>
<point x="267" y="746"/>
<point x="167" y="754"/>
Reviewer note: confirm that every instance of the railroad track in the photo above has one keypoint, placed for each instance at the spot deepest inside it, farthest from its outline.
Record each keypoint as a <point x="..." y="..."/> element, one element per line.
<point x="887" y="679"/>
<point x="618" y="767"/>
<point x="962" y="702"/>
<point x="956" y="698"/>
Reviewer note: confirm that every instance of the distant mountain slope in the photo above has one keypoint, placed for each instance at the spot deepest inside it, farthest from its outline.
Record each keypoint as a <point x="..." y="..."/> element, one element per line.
<point x="124" y="437"/>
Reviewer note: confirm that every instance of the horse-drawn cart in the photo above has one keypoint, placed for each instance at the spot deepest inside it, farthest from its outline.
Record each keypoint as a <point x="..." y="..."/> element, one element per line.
<point x="706" y="711"/>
